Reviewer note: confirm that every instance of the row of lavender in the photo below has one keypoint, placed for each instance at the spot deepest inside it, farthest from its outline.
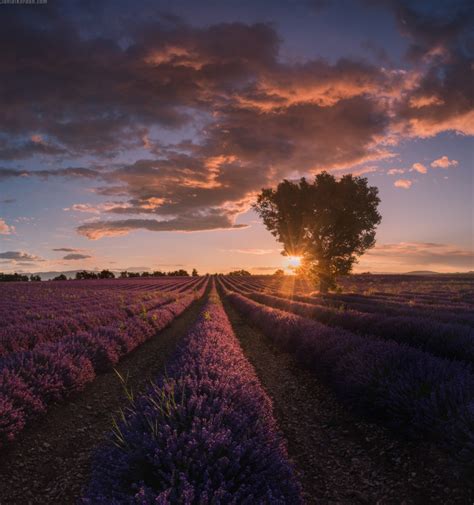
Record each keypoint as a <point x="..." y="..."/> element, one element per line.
<point x="452" y="340"/>
<point x="203" y="433"/>
<point x="446" y="340"/>
<point x="411" y="391"/>
<point x="460" y="313"/>
<point x="430" y="302"/>
<point x="32" y="380"/>
<point x="428" y="290"/>
<point x="37" y="301"/>
<point x="91" y="313"/>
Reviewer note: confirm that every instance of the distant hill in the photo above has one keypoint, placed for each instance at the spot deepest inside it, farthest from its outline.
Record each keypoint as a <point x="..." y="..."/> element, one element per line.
<point x="430" y="272"/>
<point x="423" y="272"/>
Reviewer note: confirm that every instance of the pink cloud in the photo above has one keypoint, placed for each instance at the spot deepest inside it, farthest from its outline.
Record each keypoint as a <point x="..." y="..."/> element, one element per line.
<point x="403" y="183"/>
<point x="5" y="229"/>
<point x="257" y="252"/>
<point x="403" y="256"/>
<point x="396" y="171"/>
<point x="444" y="162"/>
<point x="418" y="167"/>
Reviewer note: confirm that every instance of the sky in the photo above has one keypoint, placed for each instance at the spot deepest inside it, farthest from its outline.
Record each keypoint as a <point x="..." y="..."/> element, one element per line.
<point x="138" y="134"/>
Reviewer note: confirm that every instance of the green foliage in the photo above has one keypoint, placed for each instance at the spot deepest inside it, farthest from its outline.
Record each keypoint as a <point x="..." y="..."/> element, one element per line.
<point x="328" y="222"/>
<point x="60" y="277"/>
<point x="239" y="273"/>
<point x="13" y="277"/>
<point x="179" y="273"/>
<point x="106" y="274"/>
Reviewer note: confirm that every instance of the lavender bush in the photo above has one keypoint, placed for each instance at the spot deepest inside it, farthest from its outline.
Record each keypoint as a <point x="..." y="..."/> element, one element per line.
<point x="447" y="340"/>
<point x="412" y="392"/>
<point x="31" y="380"/>
<point x="203" y="434"/>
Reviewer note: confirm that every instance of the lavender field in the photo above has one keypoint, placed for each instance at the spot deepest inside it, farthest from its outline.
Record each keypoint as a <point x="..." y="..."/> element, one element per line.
<point x="237" y="390"/>
<point x="236" y="252"/>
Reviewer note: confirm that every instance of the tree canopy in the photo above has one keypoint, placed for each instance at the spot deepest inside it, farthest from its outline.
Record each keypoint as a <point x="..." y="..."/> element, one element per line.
<point x="329" y="222"/>
<point x="239" y="273"/>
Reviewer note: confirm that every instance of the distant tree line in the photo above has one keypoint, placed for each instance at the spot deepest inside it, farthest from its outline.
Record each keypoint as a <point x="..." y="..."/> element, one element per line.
<point x="107" y="274"/>
<point x="13" y="277"/>
<point x="103" y="274"/>
<point x="239" y="273"/>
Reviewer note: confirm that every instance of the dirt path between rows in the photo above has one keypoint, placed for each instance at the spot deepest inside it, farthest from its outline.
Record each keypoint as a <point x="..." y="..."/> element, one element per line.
<point x="49" y="463"/>
<point x="342" y="459"/>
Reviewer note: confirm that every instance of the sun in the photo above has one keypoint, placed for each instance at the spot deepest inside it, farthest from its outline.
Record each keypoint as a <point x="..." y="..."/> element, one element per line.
<point x="292" y="262"/>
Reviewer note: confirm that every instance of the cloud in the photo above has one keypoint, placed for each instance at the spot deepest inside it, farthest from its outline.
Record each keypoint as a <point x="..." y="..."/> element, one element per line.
<point x="396" y="171"/>
<point x="89" y="208"/>
<point x="403" y="183"/>
<point x="265" y="269"/>
<point x="19" y="256"/>
<point x="6" y="229"/>
<point x="70" y="172"/>
<point x="418" y="167"/>
<point x="254" y="115"/>
<point x="441" y="49"/>
<point x="66" y="249"/>
<point x="190" y="222"/>
<point x="444" y="162"/>
<point x="257" y="252"/>
<point x="8" y="200"/>
<point x="419" y="255"/>
<point x="75" y="256"/>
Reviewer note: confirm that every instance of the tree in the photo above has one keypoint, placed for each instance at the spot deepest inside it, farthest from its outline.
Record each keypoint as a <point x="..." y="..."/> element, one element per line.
<point x="60" y="277"/>
<point x="239" y="273"/>
<point x="86" y="275"/>
<point x="329" y="223"/>
<point x="179" y="273"/>
<point x="13" y="277"/>
<point x="35" y="278"/>
<point x="279" y="273"/>
<point x="106" y="274"/>
<point x="194" y="273"/>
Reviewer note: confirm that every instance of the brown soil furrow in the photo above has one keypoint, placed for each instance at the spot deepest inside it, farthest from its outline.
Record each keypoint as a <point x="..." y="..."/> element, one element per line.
<point x="49" y="462"/>
<point x="341" y="458"/>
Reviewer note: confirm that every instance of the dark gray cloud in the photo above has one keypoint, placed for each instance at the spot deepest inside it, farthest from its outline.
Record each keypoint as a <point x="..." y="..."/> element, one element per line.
<point x="190" y="222"/>
<point x="254" y="117"/>
<point x="19" y="256"/>
<point x="65" y="249"/>
<point x="441" y="36"/>
<point x="76" y="256"/>
<point x="69" y="172"/>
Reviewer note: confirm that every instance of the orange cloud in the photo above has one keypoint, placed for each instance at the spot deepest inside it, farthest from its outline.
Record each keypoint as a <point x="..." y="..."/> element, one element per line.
<point x="396" y="171"/>
<point x="5" y="229"/>
<point x="403" y="183"/>
<point x="444" y="162"/>
<point x="418" y="167"/>
<point x="257" y="252"/>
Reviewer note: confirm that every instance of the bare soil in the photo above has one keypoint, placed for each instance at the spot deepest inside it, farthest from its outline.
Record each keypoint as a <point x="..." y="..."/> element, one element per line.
<point x="49" y="463"/>
<point x="341" y="458"/>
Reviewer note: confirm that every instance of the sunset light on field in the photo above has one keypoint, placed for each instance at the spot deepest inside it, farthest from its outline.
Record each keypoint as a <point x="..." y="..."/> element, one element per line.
<point x="236" y="252"/>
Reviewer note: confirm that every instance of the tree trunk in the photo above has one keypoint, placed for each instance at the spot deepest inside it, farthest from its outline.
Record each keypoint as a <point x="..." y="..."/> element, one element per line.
<point x="323" y="284"/>
<point x="324" y="276"/>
